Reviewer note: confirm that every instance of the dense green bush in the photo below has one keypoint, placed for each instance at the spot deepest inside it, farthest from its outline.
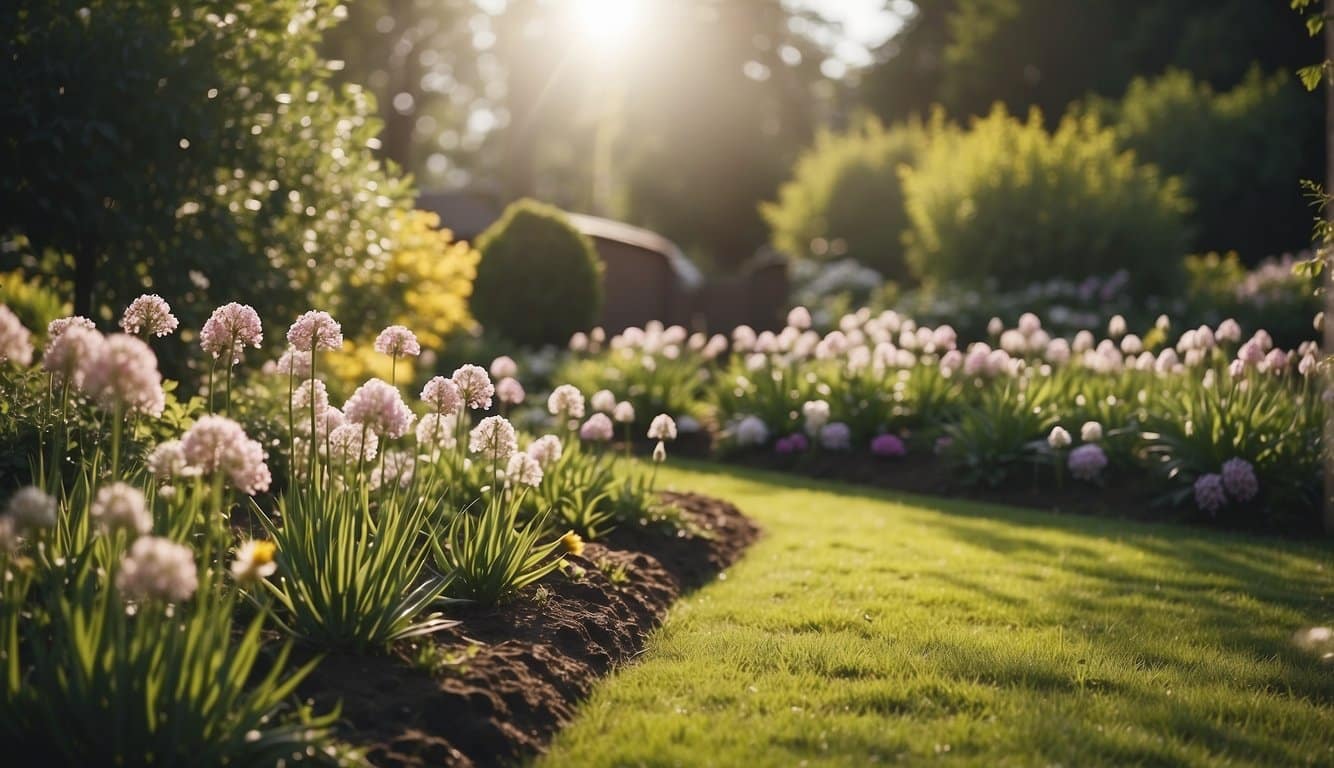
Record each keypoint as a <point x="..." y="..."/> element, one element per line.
<point x="845" y="198"/>
<point x="539" y="279"/>
<point x="1006" y="199"/>
<point x="1226" y="149"/>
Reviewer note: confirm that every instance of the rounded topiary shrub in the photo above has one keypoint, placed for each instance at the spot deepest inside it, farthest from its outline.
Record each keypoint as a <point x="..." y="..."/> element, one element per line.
<point x="539" y="279"/>
<point x="845" y="200"/>
<point x="1005" y="200"/>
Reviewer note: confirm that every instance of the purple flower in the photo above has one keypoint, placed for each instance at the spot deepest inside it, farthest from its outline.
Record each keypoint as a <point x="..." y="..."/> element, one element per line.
<point x="1209" y="493"/>
<point x="888" y="446"/>
<point x="1239" y="479"/>
<point x="836" y="436"/>
<point x="1087" y="461"/>
<point x="794" y="443"/>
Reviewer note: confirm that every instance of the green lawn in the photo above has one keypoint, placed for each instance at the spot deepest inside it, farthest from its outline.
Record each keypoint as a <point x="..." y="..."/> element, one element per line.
<point x="869" y="628"/>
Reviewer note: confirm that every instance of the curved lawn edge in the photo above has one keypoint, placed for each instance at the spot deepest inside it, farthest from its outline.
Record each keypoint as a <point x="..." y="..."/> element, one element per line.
<point x="877" y="627"/>
<point x="493" y="690"/>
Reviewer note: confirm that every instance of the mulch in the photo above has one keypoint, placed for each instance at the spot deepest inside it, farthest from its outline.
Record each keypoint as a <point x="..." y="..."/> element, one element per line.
<point x="513" y="674"/>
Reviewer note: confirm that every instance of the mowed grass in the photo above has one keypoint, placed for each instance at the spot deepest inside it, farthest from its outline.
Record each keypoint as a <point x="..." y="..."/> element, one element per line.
<point x="867" y="628"/>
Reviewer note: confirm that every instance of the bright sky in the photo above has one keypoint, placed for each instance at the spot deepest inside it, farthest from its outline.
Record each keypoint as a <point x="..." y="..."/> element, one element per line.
<point x="866" y="24"/>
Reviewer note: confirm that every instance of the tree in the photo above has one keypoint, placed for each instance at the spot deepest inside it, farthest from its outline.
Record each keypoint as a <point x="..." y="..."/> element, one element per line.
<point x="198" y="151"/>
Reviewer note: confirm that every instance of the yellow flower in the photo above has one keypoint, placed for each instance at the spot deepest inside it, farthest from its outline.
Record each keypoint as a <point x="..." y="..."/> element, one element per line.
<point x="254" y="561"/>
<point x="573" y="543"/>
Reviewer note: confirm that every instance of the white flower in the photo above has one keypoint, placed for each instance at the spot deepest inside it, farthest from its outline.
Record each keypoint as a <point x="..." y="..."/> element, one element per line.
<point x="1091" y="432"/>
<point x="546" y="449"/>
<point x="662" y="428"/>
<point x="168" y="460"/>
<point x="120" y="506"/>
<point x="816" y="414"/>
<point x="1131" y="344"/>
<point x="1116" y="327"/>
<point x="474" y="385"/>
<point x="31" y="508"/>
<point x="1029" y="324"/>
<point x="603" y="401"/>
<point x="623" y="413"/>
<point x="660" y="452"/>
<point x="995" y="326"/>
<point x="509" y="391"/>
<point x="352" y="443"/>
<point x="504" y="367"/>
<point x="566" y="402"/>
<point x="1059" y="438"/>
<point x="254" y="561"/>
<point x="751" y="430"/>
<point x="524" y="469"/>
<point x="799" y="318"/>
<point x="598" y="428"/>
<point x="158" y="568"/>
<point x="1229" y="331"/>
<point x="493" y="439"/>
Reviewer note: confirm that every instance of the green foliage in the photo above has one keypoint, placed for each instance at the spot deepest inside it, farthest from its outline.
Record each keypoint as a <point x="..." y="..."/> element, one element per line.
<point x="1007" y="200"/>
<point x="1275" y="295"/>
<point x="991" y="440"/>
<point x="35" y="303"/>
<point x="488" y="557"/>
<point x="1238" y="153"/>
<point x="199" y="151"/>
<point x="845" y="197"/>
<point x="539" y="279"/>
<point x="577" y="489"/>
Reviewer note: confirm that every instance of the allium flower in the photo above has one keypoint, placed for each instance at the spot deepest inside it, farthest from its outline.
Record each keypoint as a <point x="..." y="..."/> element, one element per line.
<point x="56" y="328"/>
<point x="314" y="331"/>
<point x="578" y="341"/>
<point x="15" y="340"/>
<point x="1229" y="331"/>
<point x="293" y="362"/>
<point x="546" y="449"/>
<point x="504" y="367"/>
<point x="351" y="444"/>
<point x="67" y="355"/>
<point x="255" y="561"/>
<point x="1029" y="324"/>
<point x="493" y="439"/>
<point x="124" y="371"/>
<point x="167" y="460"/>
<point x="1116" y="327"/>
<point x="662" y="428"/>
<point x="1132" y="344"/>
<point x="1276" y="361"/>
<point x="150" y="315"/>
<point x="474" y="386"/>
<point x="442" y="395"/>
<point x="31" y="508"/>
<point x="218" y="444"/>
<point x="1057" y="352"/>
<point x="435" y="431"/>
<point x="230" y="329"/>
<point x="836" y="436"/>
<point x="1083" y="342"/>
<point x="395" y="467"/>
<point x="799" y="318"/>
<point x="1087" y="461"/>
<point x="1091" y="432"/>
<point x="573" y="543"/>
<point x="523" y="469"/>
<point x="397" y="341"/>
<point x="120" y="506"/>
<point x="158" y="569"/>
<point x="379" y="405"/>
<point x="659" y="452"/>
<point x="1308" y="365"/>
<point x="1239" y="479"/>
<point x="603" y="401"/>
<point x="1209" y="493"/>
<point x="312" y="392"/>
<point x="743" y="338"/>
<point x="623" y="413"/>
<point x="566" y="402"/>
<point x="598" y="428"/>
<point x="816" y="415"/>
<point x="751" y="430"/>
<point x="509" y="391"/>
<point x="1058" y="438"/>
<point x="793" y="443"/>
<point x="888" y="446"/>
<point x="995" y="326"/>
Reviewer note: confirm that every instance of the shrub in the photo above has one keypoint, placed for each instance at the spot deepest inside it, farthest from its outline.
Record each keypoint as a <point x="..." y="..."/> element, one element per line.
<point x="1223" y="147"/>
<point x="845" y="198"/>
<point x="1005" y="199"/>
<point x="539" y="279"/>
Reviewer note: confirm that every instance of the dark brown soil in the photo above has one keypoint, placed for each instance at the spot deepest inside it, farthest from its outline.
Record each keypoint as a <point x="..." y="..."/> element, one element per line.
<point x="506" y="678"/>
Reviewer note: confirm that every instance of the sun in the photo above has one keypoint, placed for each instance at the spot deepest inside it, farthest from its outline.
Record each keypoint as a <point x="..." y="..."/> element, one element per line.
<point x="606" y="22"/>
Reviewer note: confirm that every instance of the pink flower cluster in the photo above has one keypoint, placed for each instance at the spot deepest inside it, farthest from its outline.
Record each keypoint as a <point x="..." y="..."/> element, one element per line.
<point x="888" y="446"/>
<point x="218" y="444"/>
<point x="379" y="406"/>
<point x="229" y="330"/>
<point x="314" y="331"/>
<point x="398" y="341"/>
<point x="15" y="339"/>
<point x="150" y="315"/>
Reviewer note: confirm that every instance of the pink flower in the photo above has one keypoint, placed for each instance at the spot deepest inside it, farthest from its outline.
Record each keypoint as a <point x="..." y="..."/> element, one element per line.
<point x="888" y="446"/>
<point x="598" y="428"/>
<point x="546" y="449"/>
<point x="293" y="362"/>
<point x="120" y="506"/>
<point x="218" y="444"/>
<point x="1087" y="461"/>
<point x="603" y="401"/>
<point x="510" y="391"/>
<point x="1276" y="361"/>
<point x="566" y="402"/>
<point x="442" y="395"/>
<point x="57" y="327"/>
<point x="523" y="469"/>
<point x="1239" y="479"/>
<point x="398" y="341"/>
<point x="67" y="354"/>
<point x="352" y="443"/>
<point x="398" y="468"/>
<point x="436" y="431"/>
<point x="504" y="367"/>
<point x="493" y="439"/>
<point x="150" y="315"/>
<point x="229" y="330"/>
<point x="1209" y="493"/>
<point x="158" y="569"/>
<point x="312" y="394"/>
<point x="123" y="370"/>
<point x="15" y="340"/>
<point x="379" y="406"/>
<point x="475" y="386"/>
<point x="793" y="443"/>
<point x="314" y="331"/>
